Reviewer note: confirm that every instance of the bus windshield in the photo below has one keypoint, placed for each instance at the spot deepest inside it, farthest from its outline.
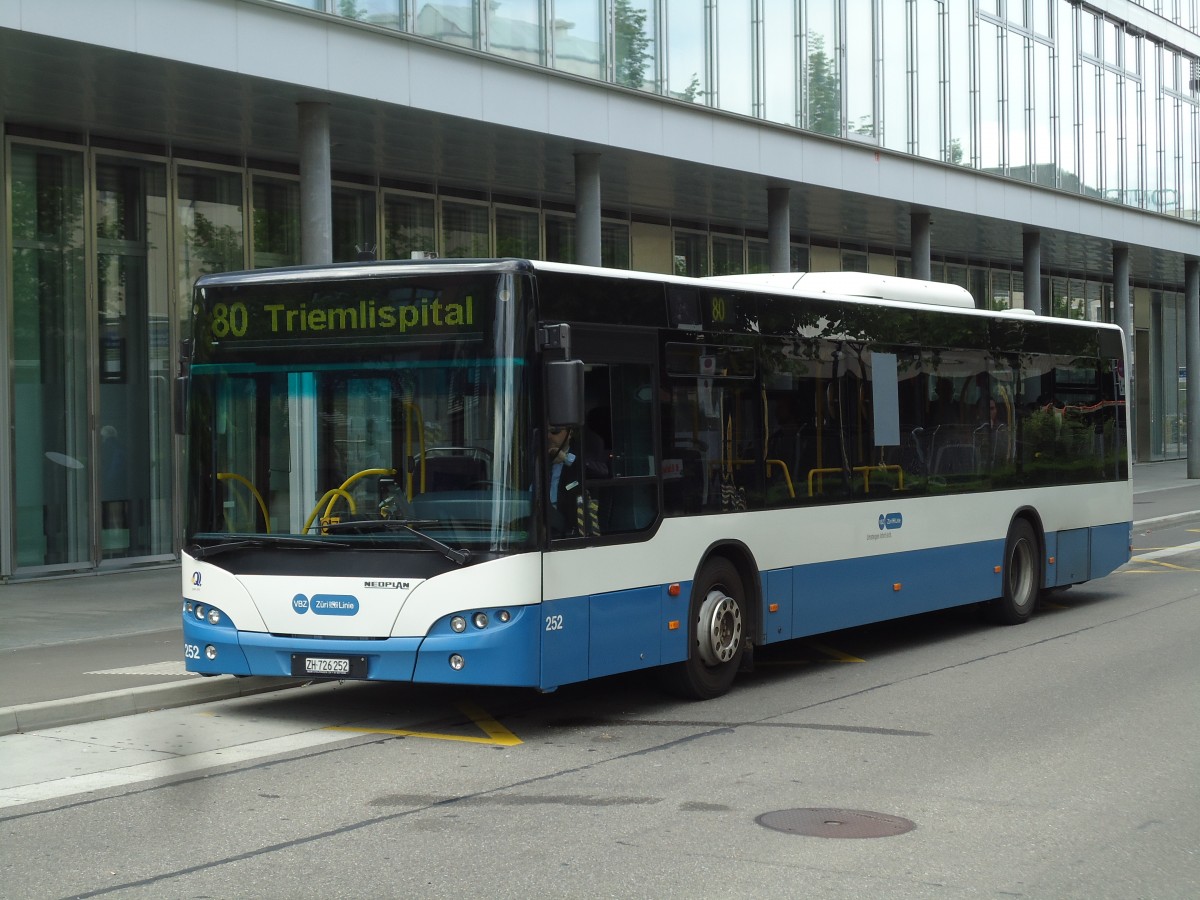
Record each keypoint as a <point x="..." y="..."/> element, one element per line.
<point x="372" y="413"/>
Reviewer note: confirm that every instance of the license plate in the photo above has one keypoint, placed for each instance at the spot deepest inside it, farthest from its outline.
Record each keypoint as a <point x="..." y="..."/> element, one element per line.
<point x="329" y="666"/>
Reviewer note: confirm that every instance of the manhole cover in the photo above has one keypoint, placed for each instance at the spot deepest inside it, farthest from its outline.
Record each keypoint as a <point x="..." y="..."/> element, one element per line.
<point x="835" y="823"/>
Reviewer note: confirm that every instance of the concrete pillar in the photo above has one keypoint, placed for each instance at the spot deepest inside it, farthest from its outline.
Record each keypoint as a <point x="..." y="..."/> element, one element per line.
<point x="1032" y="244"/>
<point x="1191" y="318"/>
<point x="316" y="185"/>
<point x="920" y="225"/>
<point x="1123" y="316"/>
<point x="1122" y="295"/>
<point x="779" y="229"/>
<point x="587" y="209"/>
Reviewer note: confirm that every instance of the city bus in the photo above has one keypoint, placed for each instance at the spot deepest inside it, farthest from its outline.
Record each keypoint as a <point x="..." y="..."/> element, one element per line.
<point x="515" y="473"/>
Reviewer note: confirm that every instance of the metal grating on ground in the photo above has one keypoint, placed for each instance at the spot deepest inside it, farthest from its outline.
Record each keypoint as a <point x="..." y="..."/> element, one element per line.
<point x="835" y="823"/>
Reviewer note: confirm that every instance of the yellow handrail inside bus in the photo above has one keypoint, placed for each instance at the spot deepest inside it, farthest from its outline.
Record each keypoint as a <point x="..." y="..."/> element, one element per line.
<point x="864" y="471"/>
<point x="341" y="491"/>
<point x="729" y="465"/>
<point x="332" y="492"/>
<point x="414" y="412"/>
<point x="233" y="476"/>
<point x="787" y="477"/>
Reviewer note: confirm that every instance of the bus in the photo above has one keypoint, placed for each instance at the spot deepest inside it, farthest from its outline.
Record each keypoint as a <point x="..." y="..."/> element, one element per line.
<point x="526" y="474"/>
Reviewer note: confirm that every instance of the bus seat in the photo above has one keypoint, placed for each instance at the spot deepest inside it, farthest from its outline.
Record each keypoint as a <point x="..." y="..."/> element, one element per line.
<point x="954" y="450"/>
<point x="453" y="473"/>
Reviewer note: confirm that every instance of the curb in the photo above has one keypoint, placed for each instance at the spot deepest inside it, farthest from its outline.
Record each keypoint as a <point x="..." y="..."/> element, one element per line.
<point x="1163" y="520"/>
<point x="113" y="704"/>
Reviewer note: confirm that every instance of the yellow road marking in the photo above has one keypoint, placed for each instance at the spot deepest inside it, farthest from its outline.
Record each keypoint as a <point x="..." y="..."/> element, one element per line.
<point x="831" y="655"/>
<point x="497" y="734"/>
<point x="1166" y="565"/>
<point x="1139" y="572"/>
<point x="838" y="655"/>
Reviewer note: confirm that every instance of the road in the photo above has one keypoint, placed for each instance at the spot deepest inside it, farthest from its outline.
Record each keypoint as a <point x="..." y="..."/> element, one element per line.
<point x="1055" y="759"/>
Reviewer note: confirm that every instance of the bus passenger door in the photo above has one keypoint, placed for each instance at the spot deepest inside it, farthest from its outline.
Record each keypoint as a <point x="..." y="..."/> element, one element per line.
<point x="615" y="458"/>
<point x="590" y="631"/>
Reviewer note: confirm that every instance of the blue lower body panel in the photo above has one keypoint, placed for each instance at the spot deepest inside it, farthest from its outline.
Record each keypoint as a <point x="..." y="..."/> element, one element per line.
<point x="502" y="654"/>
<point x="845" y="593"/>
<point x="576" y="638"/>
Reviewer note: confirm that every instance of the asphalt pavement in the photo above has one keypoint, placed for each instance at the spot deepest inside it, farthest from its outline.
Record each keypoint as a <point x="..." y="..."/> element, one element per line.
<point x="107" y="644"/>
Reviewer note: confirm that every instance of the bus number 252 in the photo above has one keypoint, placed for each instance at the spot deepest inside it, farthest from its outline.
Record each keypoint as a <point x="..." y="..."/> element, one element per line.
<point x="554" y="623"/>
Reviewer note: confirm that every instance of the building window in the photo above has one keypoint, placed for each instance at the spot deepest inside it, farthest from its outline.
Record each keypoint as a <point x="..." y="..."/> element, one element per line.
<point x="691" y="253"/>
<point x="465" y="230"/>
<point x="518" y="233"/>
<point x="408" y="226"/>
<point x="210" y="227"/>
<point x="276" y="222"/>
<point x="728" y="255"/>
<point x="452" y="21"/>
<point x="577" y="37"/>
<point x="614" y="245"/>
<point x="353" y="224"/>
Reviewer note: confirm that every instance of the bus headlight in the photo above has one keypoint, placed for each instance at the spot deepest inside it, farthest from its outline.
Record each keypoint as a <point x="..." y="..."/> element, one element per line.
<point x="214" y="616"/>
<point x="457" y="662"/>
<point x="458" y="624"/>
<point x="479" y="620"/>
<point x="210" y="651"/>
<point x="504" y="615"/>
<point x="200" y="611"/>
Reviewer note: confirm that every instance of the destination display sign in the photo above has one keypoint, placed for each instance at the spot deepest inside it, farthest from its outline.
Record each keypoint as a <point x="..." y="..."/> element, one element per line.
<point x="274" y="314"/>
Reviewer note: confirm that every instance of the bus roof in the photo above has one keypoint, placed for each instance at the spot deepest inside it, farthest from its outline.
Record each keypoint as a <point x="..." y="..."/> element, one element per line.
<point x="859" y="284"/>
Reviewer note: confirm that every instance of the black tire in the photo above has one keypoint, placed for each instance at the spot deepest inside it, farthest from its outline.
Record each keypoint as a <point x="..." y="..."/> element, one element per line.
<point x="716" y="634"/>
<point x="1021" y="576"/>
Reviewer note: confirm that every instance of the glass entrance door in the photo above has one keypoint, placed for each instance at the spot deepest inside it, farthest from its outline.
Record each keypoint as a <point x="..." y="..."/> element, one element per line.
<point x="52" y="458"/>
<point x="134" y="332"/>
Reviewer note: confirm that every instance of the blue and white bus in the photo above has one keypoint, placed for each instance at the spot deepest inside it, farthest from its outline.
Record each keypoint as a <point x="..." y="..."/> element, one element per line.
<point x="503" y="472"/>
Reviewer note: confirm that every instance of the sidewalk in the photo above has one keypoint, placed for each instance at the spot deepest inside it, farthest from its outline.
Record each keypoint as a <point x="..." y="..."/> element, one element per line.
<point x="97" y="646"/>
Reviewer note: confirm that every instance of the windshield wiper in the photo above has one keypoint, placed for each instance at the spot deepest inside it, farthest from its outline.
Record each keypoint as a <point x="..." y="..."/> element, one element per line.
<point x="365" y="526"/>
<point x="199" y="551"/>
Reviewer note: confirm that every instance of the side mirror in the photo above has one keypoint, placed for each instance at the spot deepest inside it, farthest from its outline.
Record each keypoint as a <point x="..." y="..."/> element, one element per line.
<point x="564" y="393"/>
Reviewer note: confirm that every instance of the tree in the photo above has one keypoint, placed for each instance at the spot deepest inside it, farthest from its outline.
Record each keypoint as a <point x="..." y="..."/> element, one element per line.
<point x="633" y="45"/>
<point x="824" y="89"/>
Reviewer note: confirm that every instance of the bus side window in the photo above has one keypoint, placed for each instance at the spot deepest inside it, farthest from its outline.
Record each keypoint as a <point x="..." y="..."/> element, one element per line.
<point x="616" y="442"/>
<point x="628" y="502"/>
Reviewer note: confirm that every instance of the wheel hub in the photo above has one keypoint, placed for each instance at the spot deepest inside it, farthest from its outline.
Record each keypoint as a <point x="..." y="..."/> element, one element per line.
<point x="719" y="630"/>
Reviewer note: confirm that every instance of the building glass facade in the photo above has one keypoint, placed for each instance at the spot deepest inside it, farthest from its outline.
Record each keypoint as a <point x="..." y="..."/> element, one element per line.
<point x="1047" y="91"/>
<point x="104" y="241"/>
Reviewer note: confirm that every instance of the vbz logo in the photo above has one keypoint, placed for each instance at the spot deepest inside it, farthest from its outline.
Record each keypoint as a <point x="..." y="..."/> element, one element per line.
<point x="300" y="603"/>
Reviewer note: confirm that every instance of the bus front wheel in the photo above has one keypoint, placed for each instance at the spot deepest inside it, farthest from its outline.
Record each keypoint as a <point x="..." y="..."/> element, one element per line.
<point x="1021" y="576"/>
<point x="717" y="630"/>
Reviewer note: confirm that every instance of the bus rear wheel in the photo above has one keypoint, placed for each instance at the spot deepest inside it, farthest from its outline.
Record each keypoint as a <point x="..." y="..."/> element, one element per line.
<point x="1021" y="576"/>
<point x="717" y="630"/>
